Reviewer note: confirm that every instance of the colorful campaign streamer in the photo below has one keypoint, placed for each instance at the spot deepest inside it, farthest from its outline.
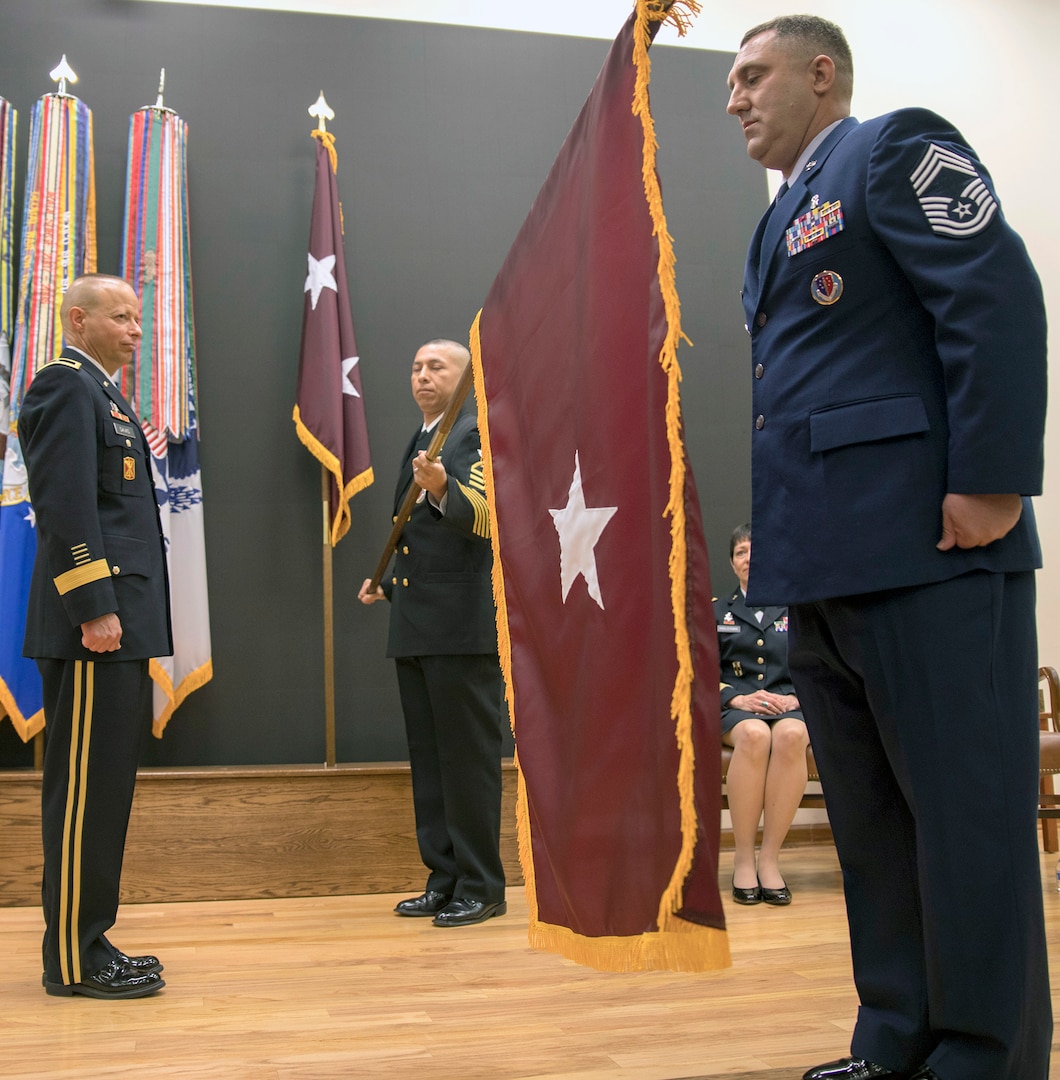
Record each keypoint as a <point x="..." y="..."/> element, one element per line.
<point x="58" y="244"/>
<point x="156" y="260"/>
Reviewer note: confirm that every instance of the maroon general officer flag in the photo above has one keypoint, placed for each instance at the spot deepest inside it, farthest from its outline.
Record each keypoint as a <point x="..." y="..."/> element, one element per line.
<point x="329" y="410"/>
<point x="605" y="622"/>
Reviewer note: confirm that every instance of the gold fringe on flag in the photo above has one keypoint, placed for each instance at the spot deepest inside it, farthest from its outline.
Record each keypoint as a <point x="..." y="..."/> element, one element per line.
<point x="678" y="14"/>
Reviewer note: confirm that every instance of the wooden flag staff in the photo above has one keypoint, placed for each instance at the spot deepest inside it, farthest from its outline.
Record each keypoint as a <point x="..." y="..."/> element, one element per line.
<point x="323" y="112"/>
<point x="441" y="433"/>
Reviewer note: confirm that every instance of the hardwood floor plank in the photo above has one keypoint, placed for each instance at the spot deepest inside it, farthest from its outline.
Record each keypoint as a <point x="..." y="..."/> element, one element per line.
<point x="319" y="988"/>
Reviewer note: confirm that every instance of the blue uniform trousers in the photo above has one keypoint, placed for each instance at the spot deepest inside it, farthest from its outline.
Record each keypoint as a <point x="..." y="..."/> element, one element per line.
<point x="922" y="710"/>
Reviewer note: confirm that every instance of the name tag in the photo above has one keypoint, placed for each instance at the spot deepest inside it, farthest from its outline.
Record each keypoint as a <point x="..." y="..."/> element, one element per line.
<point x="724" y="629"/>
<point x="127" y="431"/>
<point x="813" y="227"/>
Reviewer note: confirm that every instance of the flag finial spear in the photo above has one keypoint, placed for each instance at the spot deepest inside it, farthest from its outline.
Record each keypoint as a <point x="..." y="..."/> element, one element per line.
<point x="158" y="105"/>
<point x="322" y="111"/>
<point x="62" y="74"/>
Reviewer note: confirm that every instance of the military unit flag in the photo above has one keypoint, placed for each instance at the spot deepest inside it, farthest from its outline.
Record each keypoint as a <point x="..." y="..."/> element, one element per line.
<point x="605" y="621"/>
<point x="329" y="411"/>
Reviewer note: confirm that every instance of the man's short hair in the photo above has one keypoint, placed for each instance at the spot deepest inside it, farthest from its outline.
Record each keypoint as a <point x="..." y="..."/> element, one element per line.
<point x="817" y="34"/>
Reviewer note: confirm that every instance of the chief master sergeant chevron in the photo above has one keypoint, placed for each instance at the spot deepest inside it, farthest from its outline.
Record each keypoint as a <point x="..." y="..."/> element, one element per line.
<point x="898" y="355"/>
<point x="98" y="611"/>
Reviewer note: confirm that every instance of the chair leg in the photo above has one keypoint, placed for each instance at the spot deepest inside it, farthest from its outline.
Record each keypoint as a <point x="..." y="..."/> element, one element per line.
<point x="1050" y="841"/>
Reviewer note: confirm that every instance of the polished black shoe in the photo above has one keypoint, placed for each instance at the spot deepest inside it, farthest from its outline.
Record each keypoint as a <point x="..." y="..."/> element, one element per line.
<point x="747" y="896"/>
<point x="464" y="912"/>
<point x="140" y="965"/>
<point x="849" y="1068"/>
<point x="777" y="897"/>
<point x="429" y="903"/>
<point x="116" y="980"/>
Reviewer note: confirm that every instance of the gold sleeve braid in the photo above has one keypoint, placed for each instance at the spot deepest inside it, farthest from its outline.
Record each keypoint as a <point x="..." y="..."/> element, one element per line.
<point x="82" y="575"/>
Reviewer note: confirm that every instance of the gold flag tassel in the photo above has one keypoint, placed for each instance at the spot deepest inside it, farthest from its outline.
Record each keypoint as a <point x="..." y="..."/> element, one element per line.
<point x="679" y="14"/>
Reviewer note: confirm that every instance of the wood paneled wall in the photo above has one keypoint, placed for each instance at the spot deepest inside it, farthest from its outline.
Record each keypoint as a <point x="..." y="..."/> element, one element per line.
<point x="248" y="832"/>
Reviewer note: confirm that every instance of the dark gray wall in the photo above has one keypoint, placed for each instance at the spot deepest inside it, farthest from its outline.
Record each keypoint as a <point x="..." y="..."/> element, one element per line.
<point x="444" y="135"/>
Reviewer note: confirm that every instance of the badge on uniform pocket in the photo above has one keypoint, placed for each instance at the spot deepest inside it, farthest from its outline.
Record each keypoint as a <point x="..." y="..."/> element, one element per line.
<point x="826" y="287"/>
<point x="129" y="468"/>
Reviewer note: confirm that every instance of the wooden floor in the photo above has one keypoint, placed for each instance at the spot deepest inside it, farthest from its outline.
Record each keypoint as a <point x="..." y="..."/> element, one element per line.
<point x="320" y="988"/>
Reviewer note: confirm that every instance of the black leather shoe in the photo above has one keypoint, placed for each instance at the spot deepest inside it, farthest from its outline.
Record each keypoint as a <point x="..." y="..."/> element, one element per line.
<point x="116" y="980"/>
<point x="464" y="912"/>
<point x="777" y="897"/>
<point x="430" y="903"/>
<point x="139" y="965"/>
<point x="747" y="896"/>
<point x="853" y="1069"/>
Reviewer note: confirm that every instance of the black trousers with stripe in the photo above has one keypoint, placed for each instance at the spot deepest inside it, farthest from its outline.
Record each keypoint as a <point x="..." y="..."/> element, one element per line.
<point x="96" y="715"/>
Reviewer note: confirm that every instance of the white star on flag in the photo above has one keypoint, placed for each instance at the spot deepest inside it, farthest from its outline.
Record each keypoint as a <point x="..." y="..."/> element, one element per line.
<point x="320" y="277"/>
<point x="579" y="528"/>
<point x="347" y="366"/>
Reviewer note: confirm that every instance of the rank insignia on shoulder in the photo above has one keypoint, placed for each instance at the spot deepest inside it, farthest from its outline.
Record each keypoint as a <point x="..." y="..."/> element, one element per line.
<point x="952" y="194"/>
<point x="63" y="362"/>
<point x="816" y="225"/>
<point x="128" y="465"/>
<point x="117" y="413"/>
<point x="826" y="287"/>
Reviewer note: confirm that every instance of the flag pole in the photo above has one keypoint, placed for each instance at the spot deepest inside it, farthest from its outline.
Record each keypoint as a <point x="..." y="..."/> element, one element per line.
<point x="441" y="433"/>
<point x="329" y="626"/>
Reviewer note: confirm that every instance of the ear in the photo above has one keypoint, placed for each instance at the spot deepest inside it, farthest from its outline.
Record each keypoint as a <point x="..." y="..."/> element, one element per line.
<point x="822" y="69"/>
<point x="77" y="317"/>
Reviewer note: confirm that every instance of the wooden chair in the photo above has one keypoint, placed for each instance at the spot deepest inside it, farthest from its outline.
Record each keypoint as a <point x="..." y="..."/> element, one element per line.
<point x="1049" y="755"/>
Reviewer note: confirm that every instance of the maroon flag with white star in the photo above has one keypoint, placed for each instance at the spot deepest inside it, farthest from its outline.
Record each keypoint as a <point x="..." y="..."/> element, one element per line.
<point x="605" y="623"/>
<point x="329" y="409"/>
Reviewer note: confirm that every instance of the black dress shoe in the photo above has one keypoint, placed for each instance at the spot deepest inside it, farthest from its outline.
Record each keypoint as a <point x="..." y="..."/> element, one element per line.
<point x="853" y="1069"/>
<point x="430" y="903"/>
<point x="777" y="897"/>
<point x="464" y="912"/>
<point x="116" y="980"/>
<point x="747" y="896"/>
<point x="140" y="965"/>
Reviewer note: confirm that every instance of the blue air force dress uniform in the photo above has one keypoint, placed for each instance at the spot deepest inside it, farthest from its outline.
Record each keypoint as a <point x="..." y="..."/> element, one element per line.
<point x="898" y="353"/>
<point x="753" y="653"/>
<point x="443" y="637"/>
<point x="100" y="549"/>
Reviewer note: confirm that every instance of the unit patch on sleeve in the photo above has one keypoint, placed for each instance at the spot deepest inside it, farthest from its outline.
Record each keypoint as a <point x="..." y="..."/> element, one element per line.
<point x="952" y="194"/>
